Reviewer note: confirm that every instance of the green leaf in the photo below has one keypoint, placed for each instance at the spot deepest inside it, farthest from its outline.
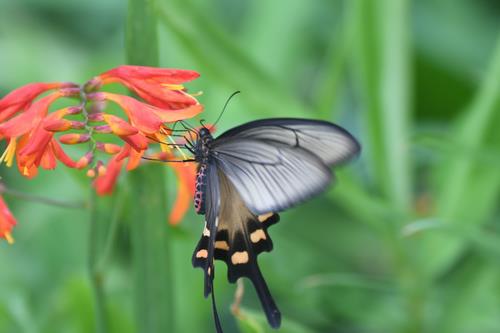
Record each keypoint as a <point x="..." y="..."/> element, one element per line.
<point x="468" y="187"/>
<point x="250" y="321"/>
<point x="383" y="63"/>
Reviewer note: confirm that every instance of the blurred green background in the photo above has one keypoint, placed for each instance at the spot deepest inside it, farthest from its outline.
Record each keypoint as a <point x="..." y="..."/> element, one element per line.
<point x="407" y="241"/>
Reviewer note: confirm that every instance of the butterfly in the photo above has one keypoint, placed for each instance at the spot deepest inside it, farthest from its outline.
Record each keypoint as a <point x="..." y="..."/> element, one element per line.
<point x="245" y="177"/>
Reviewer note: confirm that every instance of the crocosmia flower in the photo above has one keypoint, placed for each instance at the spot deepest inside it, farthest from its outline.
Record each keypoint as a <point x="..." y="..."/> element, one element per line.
<point x="36" y="131"/>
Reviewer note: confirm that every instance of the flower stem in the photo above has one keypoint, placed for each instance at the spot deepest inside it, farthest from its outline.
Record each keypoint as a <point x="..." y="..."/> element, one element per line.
<point x="153" y="280"/>
<point x="42" y="200"/>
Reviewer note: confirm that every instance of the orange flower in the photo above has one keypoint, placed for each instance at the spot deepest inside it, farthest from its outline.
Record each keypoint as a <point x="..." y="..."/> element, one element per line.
<point x="21" y="98"/>
<point x="7" y="222"/>
<point x="105" y="183"/>
<point x="186" y="175"/>
<point x="34" y="133"/>
<point x="161" y="87"/>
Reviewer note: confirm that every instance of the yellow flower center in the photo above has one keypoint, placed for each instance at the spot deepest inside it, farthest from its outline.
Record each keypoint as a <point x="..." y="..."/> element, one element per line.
<point x="9" y="153"/>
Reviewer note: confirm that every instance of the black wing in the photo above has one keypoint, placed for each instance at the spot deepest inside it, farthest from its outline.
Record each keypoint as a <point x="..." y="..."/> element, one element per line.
<point x="331" y="143"/>
<point x="235" y="235"/>
<point x="203" y="255"/>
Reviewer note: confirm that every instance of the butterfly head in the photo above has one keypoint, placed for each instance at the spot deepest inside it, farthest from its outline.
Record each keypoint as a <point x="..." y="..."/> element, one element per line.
<point x="204" y="133"/>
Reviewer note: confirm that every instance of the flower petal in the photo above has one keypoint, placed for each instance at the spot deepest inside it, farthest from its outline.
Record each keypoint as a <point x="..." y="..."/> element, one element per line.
<point x="162" y="75"/>
<point x="119" y="126"/>
<point x="61" y="155"/>
<point x="48" y="161"/>
<point x="170" y="116"/>
<point x="134" y="159"/>
<point x="26" y="121"/>
<point x="136" y="141"/>
<point x="104" y="184"/>
<point x="7" y="221"/>
<point x="22" y="97"/>
<point x="142" y="116"/>
<point x="186" y="175"/>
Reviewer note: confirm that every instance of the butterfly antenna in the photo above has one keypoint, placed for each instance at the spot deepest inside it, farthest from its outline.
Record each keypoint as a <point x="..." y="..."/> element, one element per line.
<point x="224" y="108"/>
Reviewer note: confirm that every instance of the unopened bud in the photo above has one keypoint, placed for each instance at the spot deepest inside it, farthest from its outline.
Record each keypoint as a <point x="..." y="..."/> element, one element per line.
<point x="85" y="160"/>
<point x="91" y="173"/>
<point x="70" y="92"/>
<point x="57" y="125"/>
<point x="109" y="148"/>
<point x="77" y="124"/>
<point x="93" y="84"/>
<point x="103" y="129"/>
<point x="74" y="138"/>
<point x="74" y="109"/>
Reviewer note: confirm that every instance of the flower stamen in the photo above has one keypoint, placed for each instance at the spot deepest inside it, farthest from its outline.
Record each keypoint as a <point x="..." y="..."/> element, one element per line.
<point x="9" y="153"/>
<point x="171" y="86"/>
<point x="9" y="238"/>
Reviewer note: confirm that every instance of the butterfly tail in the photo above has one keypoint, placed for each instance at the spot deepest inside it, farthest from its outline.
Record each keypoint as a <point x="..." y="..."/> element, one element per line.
<point x="202" y="258"/>
<point x="273" y="314"/>
<point x="218" y="326"/>
<point x="240" y="255"/>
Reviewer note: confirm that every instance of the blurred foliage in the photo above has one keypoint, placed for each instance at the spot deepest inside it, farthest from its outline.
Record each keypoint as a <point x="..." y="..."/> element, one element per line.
<point x="407" y="241"/>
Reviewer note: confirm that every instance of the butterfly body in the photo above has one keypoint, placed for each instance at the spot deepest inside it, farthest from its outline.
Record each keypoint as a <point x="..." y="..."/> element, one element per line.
<point x="249" y="174"/>
<point x="202" y="151"/>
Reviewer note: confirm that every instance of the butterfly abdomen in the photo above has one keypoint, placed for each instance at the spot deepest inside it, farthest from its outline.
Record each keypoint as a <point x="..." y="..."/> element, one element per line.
<point x="200" y="190"/>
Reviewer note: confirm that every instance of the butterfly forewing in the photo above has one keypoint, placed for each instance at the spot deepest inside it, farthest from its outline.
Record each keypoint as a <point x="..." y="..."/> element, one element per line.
<point x="331" y="143"/>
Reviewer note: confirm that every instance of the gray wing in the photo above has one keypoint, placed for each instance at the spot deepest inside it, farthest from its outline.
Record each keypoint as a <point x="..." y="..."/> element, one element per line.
<point x="271" y="176"/>
<point x="329" y="142"/>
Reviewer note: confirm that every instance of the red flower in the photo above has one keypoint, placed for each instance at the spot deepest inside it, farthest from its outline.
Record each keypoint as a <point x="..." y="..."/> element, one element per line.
<point x="105" y="182"/>
<point x="160" y="87"/>
<point x="21" y="98"/>
<point x="34" y="133"/>
<point x="186" y="175"/>
<point x="7" y="222"/>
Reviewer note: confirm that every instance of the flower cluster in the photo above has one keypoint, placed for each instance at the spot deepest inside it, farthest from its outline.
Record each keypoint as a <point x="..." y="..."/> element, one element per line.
<point x="114" y="137"/>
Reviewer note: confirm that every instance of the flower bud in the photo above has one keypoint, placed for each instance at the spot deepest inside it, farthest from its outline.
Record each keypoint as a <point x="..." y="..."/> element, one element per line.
<point x="109" y="148"/>
<point x="74" y="138"/>
<point x="103" y="129"/>
<point x="57" y="125"/>
<point x="93" y="84"/>
<point x="85" y="160"/>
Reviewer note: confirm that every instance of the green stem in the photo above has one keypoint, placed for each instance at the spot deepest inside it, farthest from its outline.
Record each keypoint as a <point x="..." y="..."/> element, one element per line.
<point x="150" y="235"/>
<point x="42" y="200"/>
<point x="96" y="276"/>
<point x="384" y="61"/>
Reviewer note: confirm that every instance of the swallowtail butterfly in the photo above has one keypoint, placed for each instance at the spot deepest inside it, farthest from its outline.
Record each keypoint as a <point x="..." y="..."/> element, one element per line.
<point x="248" y="175"/>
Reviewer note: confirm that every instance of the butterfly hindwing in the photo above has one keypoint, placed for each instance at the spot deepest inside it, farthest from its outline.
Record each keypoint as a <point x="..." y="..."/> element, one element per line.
<point x="241" y="237"/>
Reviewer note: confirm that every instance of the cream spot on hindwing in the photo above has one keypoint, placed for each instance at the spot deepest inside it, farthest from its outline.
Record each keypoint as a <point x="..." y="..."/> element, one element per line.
<point x="264" y="217"/>
<point x="257" y="235"/>
<point x="239" y="258"/>
<point x="222" y="245"/>
<point x="202" y="254"/>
